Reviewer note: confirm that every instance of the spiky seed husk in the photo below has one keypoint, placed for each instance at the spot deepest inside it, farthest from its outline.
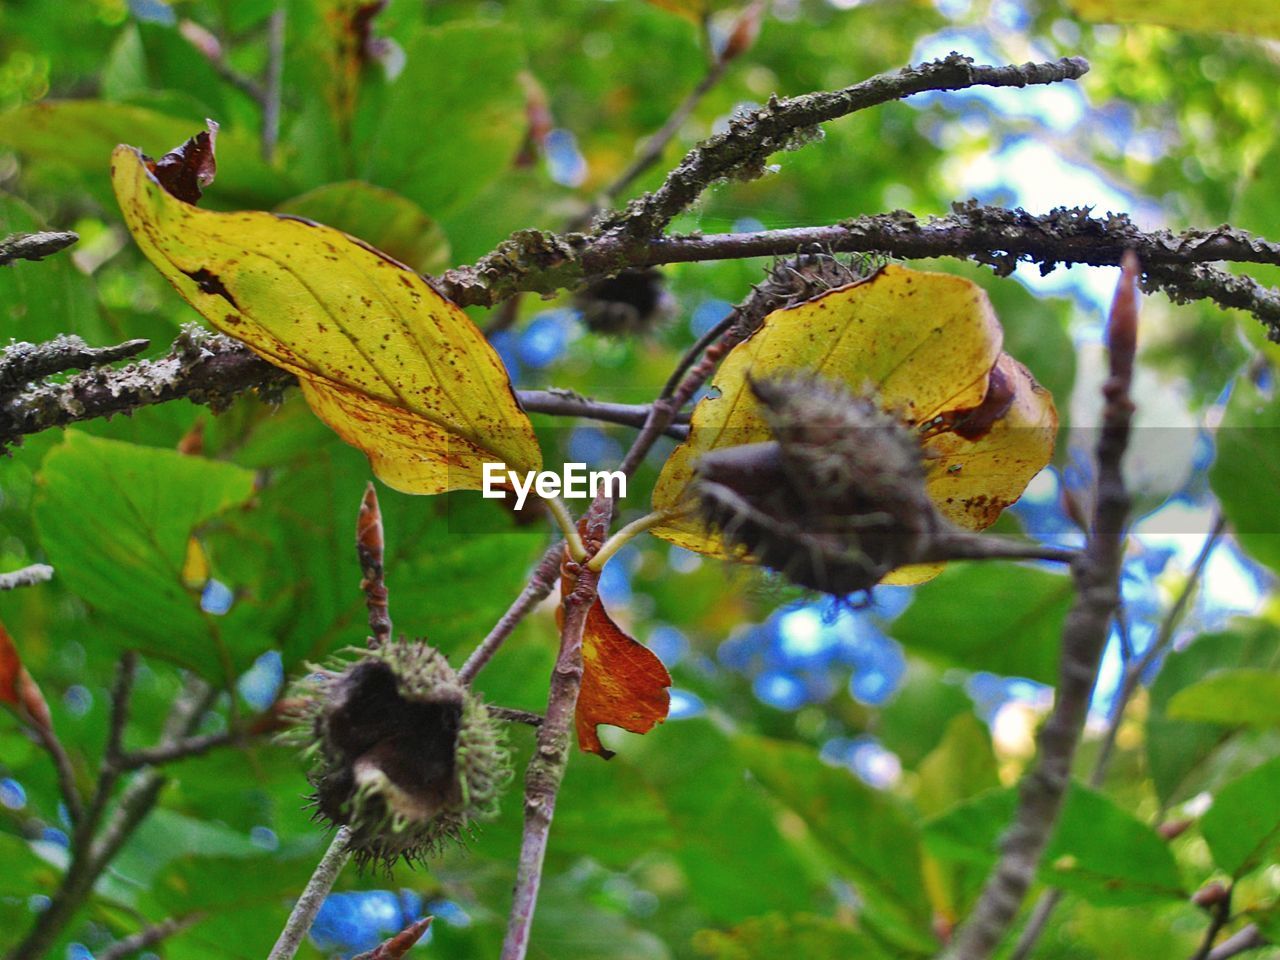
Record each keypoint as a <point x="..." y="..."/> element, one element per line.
<point x="633" y="301"/>
<point x="834" y="501"/>
<point x="401" y="753"/>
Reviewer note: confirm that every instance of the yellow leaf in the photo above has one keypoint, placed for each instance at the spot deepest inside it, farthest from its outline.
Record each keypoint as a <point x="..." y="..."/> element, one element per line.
<point x="927" y="346"/>
<point x="1259" y="18"/>
<point x="195" y="568"/>
<point x="393" y="367"/>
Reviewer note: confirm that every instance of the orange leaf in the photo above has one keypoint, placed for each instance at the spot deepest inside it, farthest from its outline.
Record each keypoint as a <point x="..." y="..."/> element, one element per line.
<point x="17" y="689"/>
<point x="623" y="683"/>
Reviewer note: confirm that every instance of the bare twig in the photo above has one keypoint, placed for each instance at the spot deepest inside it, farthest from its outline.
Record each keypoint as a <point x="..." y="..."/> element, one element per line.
<point x="651" y="151"/>
<point x="540" y="584"/>
<point x="34" y="246"/>
<point x="1084" y="636"/>
<point x="26" y="577"/>
<point x="178" y="750"/>
<point x="741" y="151"/>
<point x="148" y="937"/>
<point x="272" y="86"/>
<point x="65" y="770"/>
<point x="210" y="47"/>
<point x="92" y="853"/>
<point x="370" y="548"/>
<point x="1248" y="938"/>
<point x="547" y="766"/>
<point x="512" y="715"/>
<point x="1219" y="916"/>
<point x="304" y="911"/>
<point x="562" y="403"/>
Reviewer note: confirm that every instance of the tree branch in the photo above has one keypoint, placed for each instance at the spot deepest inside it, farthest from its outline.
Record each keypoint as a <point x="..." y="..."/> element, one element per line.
<point x="26" y="577"/>
<point x="541" y="583"/>
<point x="21" y="363"/>
<point x="90" y="854"/>
<point x="304" y="911"/>
<point x="1248" y="938"/>
<point x="34" y="246"/>
<point x="1084" y="636"/>
<point x="741" y="151"/>
<point x="148" y="937"/>
<point x="551" y="756"/>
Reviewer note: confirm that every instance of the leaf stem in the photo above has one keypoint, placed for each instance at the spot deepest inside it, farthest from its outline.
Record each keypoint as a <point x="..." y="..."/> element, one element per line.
<point x="564" y="520"/>
<point x="624" y="534"/>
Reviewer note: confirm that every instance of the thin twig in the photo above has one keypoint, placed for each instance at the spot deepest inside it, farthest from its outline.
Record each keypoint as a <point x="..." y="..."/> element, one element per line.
<point x="65" y="770"/>
<point x="91" y="854"/>
<point x="651" y="150"/>
<point x="209" y="47"/>
<point x="1248" y="938"/>
<point x="512" y="715"/>
<point x="304" y="911"/>
<point x="1084" y="636"/>
<point x="26" y="576"/>
<point x="1219" y="916"/>
<point x="272" y="86"/>
<point x="148" y="937"/>
<point x="178" y="750"/>
<point x="370" y="548"/>
<point x="563" y="403"/>
<point x="540" y="584"/>
<point x="34" y="246"/>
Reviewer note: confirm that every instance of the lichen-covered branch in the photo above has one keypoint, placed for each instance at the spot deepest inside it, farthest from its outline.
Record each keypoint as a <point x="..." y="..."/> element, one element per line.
<point x="21" y="363"/>
<point x="26" y="576"/>
<point x="740" y="152"/>
<point x="1084" y="636"/>
<point x="201" y="367"/>
<point x="34" y="246"/>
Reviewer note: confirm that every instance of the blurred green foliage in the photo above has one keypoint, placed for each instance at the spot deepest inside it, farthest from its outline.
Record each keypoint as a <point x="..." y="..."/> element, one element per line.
<point x="725" y="836"/>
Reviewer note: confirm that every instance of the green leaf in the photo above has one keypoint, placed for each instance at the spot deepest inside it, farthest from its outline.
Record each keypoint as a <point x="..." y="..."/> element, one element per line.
<point x="1002" y="618"/>
<point x="961" y="766"/>
<point x="1179" y="752"/>
<point x="915" y="720"/>
<point x="1246" y="472"/>
<point x="798" y="935"/>
<point x="421" y="143"/>
<point x="39" y="300"/>
<point x="867" y="835"/>
<point x="378" y="216"/>
<point x="1242" y="827"/>
<point x="116" y="520"/>
<point x="1255" y="18"/>
<point x="1098" y="851"/>
<point x="1231" y="697"/>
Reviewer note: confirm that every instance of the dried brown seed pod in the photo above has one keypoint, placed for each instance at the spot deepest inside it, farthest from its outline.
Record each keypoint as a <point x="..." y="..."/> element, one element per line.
<point x="402" y="753"/>
<point x="633" y="301"/>
<point x="834" y="501"/>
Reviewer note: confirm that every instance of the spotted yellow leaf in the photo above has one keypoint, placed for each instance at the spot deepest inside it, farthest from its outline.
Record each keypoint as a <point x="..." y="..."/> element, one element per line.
<point x="928" y="347"/>
<point x="392" y="366"/>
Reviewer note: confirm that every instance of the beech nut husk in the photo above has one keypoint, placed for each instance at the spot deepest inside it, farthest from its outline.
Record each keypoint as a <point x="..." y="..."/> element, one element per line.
<point x="834" y="501"/>
<point x="401" y="753"/>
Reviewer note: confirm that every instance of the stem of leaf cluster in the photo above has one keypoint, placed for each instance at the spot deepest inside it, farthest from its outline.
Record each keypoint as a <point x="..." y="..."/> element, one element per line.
<point x="624" y="534"/>
<point x="564" y="520"/>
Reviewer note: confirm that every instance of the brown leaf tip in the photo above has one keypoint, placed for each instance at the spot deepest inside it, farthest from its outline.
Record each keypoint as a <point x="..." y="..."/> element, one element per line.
<point x="185" y="171"/>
